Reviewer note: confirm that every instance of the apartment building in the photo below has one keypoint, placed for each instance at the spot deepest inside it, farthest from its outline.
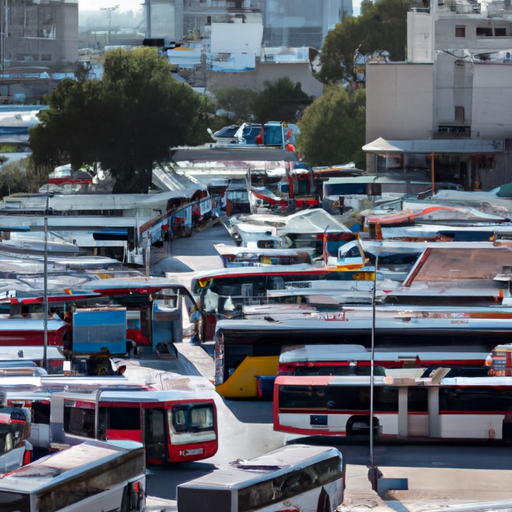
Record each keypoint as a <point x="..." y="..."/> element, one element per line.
<point x="448" y="103"/>
<point x="38" y="32"/>
<point x="289" y="23"/>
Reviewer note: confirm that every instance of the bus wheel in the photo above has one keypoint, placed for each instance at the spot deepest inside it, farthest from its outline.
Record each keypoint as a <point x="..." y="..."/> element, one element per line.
<point x="324" y="502"/>
<point x="360" y="426"/>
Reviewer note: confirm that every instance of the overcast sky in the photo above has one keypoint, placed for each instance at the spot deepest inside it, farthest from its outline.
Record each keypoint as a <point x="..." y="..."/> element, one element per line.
<point x="135" y="5"/>
<point x="124" y="5"/>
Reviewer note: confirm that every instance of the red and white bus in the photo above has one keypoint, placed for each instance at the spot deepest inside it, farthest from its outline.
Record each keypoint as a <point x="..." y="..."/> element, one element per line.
<point x="174" y="426"/>
<point x="404" y="408"/>
<point x="304" y="360"/>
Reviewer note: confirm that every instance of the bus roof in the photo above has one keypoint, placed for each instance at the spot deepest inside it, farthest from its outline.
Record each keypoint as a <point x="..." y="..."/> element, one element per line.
<point x="333" y="353"/>
<point x="379" y="381"/>
<point x="154" y="396"/>
<point x="285" y="270"/>
<point x="27" y="354"/>
<point x="278" y="462"/>
<point x="65" y="465"/>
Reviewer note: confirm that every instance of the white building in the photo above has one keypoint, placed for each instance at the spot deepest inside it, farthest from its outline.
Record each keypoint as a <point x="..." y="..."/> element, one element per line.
<point x="450" y="98"/>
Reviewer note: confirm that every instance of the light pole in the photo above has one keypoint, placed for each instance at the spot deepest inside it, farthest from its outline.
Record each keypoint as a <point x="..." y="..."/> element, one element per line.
<point x="109" y="11"/>
<point x="374" y="470"/>
<point x="45" y="284"/>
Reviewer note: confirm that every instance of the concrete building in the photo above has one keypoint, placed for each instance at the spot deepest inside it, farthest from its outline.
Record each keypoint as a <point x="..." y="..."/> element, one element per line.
<point x="298" y="23"/>
<point x="450" y="98"/>
<point x="289" y="23"/>
<point x="38" y="32"/>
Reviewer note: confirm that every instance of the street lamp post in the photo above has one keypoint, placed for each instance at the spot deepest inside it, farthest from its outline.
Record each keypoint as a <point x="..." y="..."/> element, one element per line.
<point x="109" y="11"/>
<point x="374" y="470"/>
<point x="45" y="284"/>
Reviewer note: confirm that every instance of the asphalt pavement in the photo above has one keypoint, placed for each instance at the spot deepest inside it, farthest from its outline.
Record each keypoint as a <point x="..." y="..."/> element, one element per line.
<point x="452" y="478"/>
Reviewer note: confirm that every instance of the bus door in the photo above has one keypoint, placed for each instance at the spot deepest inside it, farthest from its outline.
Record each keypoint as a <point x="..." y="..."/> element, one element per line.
<point x="40" y="423"/>
<point x="155" y="435"/>
<point x="417" y="411"/>
<point x="167" y="320"/>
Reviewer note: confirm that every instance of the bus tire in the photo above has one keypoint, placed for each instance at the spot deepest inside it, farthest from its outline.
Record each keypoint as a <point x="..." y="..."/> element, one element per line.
<point x="324" y="502"/>
<point x="360" y="426"/>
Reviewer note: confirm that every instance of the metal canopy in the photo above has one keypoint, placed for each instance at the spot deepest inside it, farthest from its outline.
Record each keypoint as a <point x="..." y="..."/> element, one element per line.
<point x="469" y="146"/>
<point x="231" y="154"/>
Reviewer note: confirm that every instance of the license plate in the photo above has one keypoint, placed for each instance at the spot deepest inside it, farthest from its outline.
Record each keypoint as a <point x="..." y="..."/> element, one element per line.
<point x="193" y="451"/>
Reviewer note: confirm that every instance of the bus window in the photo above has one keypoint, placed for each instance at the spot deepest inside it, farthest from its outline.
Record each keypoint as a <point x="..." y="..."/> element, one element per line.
<point x="417" y="400"/>
<point x="78" y="421"/>
<point x="41" y="412"/>
<point x="124" y="418"/>
<point x="191" y="418"/>
<point x="386" y="399"/>
<point x="476" y="399"/>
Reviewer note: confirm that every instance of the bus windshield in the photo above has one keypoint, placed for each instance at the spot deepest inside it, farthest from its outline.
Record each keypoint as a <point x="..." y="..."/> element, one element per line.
<point x="191" y="418"/>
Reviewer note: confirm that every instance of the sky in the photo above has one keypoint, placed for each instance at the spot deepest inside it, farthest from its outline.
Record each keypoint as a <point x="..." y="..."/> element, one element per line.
<point x="135" y="5"/>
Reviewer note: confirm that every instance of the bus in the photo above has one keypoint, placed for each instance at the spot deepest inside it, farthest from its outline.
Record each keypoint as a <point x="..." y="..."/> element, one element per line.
<point x="93" y="476"/>
<point x="223" y="293"/>
<point x="310" y="360"/>
<point x="341" y="360"/>
<point x="295" y="477"/>
<point x="15" y="449"/>
<point x="119" y="315"/>
<point x="174" y="425"/>
<point x="478" y="408"/>
<point x="247" y="348"/>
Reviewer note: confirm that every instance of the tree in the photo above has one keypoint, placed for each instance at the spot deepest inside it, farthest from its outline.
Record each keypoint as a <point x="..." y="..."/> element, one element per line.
<point x="332" y="129"/>
<point x="382" y="26"/>
<point x="126" y="121"/>
<point x="279" y="100"/>
<point x="20" y="176"/>
<point x="236" y="100"/>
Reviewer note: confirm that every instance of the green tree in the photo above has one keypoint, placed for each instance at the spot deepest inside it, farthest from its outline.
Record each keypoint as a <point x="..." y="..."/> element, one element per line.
<point x="382" y="26"/>
<point x="279" y="100"/>
<point x="332" y="129"/>
<point x="236" y="100"/>
<point x="13" y="178"/>
<point x="126" y="121"/>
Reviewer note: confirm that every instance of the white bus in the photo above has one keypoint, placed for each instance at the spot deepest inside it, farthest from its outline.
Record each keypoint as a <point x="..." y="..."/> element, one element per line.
<point x="404" y="408"/>
<point x="90" y="477"/>
<point x="295" y="477"/>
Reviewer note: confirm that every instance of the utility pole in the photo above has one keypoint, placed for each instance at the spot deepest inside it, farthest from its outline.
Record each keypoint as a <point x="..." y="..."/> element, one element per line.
<point x="109" y="13"/>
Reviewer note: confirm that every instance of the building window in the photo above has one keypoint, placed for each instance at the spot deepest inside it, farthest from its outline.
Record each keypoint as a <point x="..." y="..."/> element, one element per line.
<point x="46" y="57"/>
<point x="484" y="32"/>
<point x="500" y="32"/>
<point x="27" y="57"/>
<point x="208" y="20"/>
<point x="459" y="114"/>
<point x="460" y="31"/>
